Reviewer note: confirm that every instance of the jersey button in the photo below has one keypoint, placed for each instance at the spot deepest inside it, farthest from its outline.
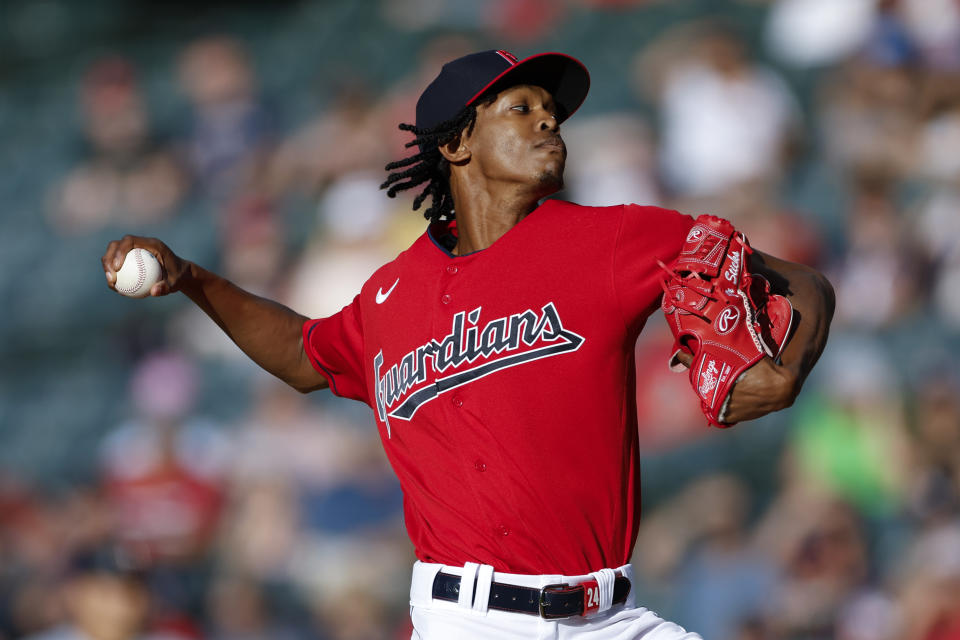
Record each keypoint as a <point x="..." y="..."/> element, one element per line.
<point x="457" y="401"/>
<point x="452" y="269"/>
<point x="446" y="298"/>
<point x="502" y="530"/>
<point x="480" y="466"/>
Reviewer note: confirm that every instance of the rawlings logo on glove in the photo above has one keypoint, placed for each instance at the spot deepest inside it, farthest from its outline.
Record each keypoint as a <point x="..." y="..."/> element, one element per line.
<point x="720" y="313"/>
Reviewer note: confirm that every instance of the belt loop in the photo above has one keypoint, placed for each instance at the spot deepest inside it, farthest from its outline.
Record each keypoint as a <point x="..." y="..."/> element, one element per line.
<point x="484" y="581"/>
<point x="467" y="581"/>
<point x="421" y="585"/>
<point x="605" y="579"/>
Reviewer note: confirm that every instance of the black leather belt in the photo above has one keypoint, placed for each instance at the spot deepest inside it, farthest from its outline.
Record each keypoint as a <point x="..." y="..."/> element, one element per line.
<point x="553" y="601"/>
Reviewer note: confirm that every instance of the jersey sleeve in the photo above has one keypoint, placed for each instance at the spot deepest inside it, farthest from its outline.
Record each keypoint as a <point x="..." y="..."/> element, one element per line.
<point x="334" y="346"/>
<point x="646" y="234"/>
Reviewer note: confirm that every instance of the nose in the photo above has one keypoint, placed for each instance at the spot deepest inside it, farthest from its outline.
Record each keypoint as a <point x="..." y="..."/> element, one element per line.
<point x="548" y="121"/>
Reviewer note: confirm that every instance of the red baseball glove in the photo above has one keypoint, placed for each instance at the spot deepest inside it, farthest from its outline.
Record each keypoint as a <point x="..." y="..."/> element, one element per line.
<point x="720" y="313"/>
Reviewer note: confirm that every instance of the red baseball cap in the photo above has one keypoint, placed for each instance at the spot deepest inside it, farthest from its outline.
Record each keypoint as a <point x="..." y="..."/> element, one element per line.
<point x="465" y="79"/>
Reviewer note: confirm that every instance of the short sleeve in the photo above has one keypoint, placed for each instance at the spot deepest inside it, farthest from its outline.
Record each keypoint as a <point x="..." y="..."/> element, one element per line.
<point x="646" y="234"/>
<point x="334" y="346"/>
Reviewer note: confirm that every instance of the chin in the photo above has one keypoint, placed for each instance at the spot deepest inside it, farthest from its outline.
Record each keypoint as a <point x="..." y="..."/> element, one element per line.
<point x="551" y="181"/>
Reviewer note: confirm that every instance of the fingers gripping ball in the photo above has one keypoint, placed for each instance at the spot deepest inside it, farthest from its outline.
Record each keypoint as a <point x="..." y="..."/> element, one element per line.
<point x="139" y="272"/>
<point x="722" y="315"/>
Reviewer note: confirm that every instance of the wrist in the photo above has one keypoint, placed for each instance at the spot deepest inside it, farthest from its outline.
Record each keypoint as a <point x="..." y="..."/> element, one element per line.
<point x="190" y="280"/>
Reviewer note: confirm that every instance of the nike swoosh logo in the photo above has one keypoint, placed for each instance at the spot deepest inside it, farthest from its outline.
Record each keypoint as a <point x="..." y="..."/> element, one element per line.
<point x="381" y="296"/>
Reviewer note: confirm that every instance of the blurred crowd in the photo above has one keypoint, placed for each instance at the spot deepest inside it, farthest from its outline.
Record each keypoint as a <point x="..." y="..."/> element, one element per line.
<point x="828" y="131"/>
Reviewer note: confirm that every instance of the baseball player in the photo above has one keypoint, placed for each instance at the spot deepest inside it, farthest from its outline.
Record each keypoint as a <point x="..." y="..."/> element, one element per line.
<point x="496" y="354"/>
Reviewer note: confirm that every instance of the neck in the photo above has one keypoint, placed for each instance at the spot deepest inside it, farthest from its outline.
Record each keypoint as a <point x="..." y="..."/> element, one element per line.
<point x="484" y="215"/>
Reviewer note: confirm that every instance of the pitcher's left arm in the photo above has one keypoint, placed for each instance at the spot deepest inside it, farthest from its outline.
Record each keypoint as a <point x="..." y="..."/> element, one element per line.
<point x="768" y="386"/>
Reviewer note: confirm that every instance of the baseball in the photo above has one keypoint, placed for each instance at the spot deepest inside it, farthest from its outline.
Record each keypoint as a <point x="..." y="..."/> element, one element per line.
<point x="139" y="272"/>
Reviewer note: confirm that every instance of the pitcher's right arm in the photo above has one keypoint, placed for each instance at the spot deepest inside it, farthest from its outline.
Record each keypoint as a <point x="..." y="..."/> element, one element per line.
<point x="267" y="331"/>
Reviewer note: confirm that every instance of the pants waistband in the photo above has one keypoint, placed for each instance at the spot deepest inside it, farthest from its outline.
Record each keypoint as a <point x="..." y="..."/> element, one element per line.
<point x="481" y="576"/>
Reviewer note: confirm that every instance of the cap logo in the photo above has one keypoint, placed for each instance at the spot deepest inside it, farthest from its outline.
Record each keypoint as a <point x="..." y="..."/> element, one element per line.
<point x="509" y="57"/>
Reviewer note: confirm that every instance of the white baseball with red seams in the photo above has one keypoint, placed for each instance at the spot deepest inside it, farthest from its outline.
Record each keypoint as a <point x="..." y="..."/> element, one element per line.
<point x="139" y="272"/>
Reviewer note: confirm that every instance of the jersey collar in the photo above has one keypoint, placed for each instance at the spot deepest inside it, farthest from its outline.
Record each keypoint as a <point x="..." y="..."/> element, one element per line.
<point x="443" y="234"/>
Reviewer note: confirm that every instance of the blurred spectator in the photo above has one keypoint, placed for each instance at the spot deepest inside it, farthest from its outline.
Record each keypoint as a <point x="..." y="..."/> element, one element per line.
<point x="229" y="145"/>
<point x="929" y="587"/>
<point x="824" y="571"/>
<point x="755" y="629"/>
<point x="347" y="138"/>
<point x="286" y="450"/>
<point x="934" y="489"/>
<point x="240" y="610"/>
<point x="878" y="282"/>
<point x="849" y="437"/>
<point x="352" y="583"/>
<point x="126" y="176"/>
<point x="937" y="159"/>
<point x="935" y="27"/>
<point x="358" y="614"/>
<point x="252" y="243"/>
<point x="231" y="130"/>
<point x="937" y="223"/>
<point x="32" y="551"/>
<point x="40" y="531"/>
<point x="725" y="119"/>
<point x="337" y="161"/>
<point x="352" y="242"/>
<point x="868" y="117"/>
<point x="889" y="43"/>
<point x="313" y="503"/>
<point x="869" y="615"/>
<point x="163" y="470"/>
<point x="808" y="33"/>
<point x="611" y="161"/>
<point x="725" y="582"/>
<point x="105" y="598"/>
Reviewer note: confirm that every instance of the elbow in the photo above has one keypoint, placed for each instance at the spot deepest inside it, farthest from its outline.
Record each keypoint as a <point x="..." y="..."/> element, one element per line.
<point x="300" y="387"/>
<point x="812" y="288"/>
<point x="309" y="388"/>
<point x="303" y="377"/>
<point x="307" y="380"/>
<point x="296" y="382"/>
<point x="828" y="294"/>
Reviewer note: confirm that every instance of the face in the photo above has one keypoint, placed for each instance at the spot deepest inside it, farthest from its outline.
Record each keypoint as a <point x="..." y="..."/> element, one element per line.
<point x="516" y="139"/>
<point x="107" y="606"/>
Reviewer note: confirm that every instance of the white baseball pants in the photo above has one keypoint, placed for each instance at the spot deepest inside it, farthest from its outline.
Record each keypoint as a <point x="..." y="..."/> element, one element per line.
<point x="442" y="620"/>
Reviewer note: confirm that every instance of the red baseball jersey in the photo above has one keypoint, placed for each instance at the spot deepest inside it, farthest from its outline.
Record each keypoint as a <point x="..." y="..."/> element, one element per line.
<point x="502" y="383"/>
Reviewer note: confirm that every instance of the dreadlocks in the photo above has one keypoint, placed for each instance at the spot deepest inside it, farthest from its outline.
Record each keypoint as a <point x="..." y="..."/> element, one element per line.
<point x="429" y="165"/>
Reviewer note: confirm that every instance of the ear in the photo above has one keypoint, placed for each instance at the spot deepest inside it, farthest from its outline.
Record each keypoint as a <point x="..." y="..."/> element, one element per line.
<point x="455" y="151"/>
